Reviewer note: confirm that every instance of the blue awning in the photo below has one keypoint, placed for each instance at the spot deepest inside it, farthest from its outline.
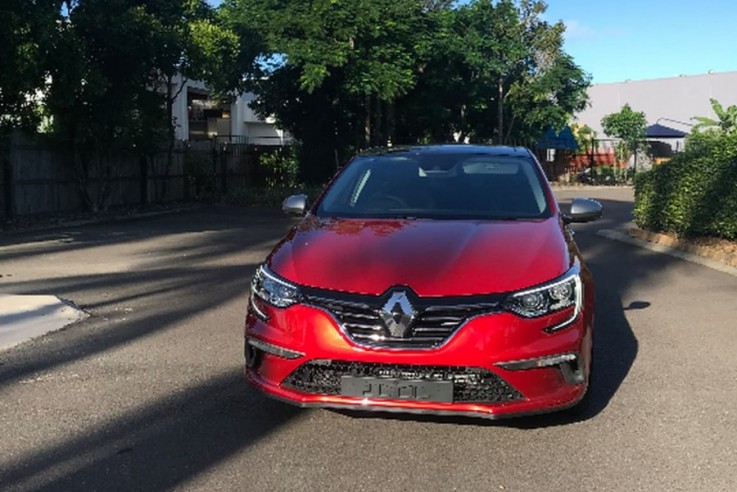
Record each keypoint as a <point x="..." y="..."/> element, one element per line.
<point x="662" y="131"/>
<point x="563" y="140"/>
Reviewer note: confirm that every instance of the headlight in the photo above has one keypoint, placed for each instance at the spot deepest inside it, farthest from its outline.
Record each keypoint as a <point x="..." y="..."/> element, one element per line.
<point x="549" y="298"/>
<point x="274" y="290"/>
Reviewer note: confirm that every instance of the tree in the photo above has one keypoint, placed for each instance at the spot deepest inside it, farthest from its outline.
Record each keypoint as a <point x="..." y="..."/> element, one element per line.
<point x="343" y="75"/>
<point x="28" y="32"/>
<point x="435" y="5"/>
<point x="102" y="92"/>
<point x="496" y="73"/>
<point x="347" y="62"/>
<point x="115" y="71"/>
<point x="629" y="126"/>
<point x="190" y="44"/>
<point x="586" y="143"/>
<point x="726" y="118"/>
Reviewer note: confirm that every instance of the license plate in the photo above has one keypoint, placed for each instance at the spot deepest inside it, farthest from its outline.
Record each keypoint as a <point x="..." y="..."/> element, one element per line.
<point x="397" y="389"/>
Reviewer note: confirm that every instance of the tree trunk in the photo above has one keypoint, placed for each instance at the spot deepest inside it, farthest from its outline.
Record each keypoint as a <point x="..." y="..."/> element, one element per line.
<point x="8" y="180"/>
<point x="171" y="134"/>
<point x="143" y="183"/>
<point x="378" y="132"/>
<point x="367" y="124"/>
<point x="105" y="178"/>
<point x="634" y="169"/>
<point x="462" y="132"/>
<point x="509" y="130"/>
<point x="82" y="171"/>
<point x="591" y="159"/>
<point x="500" y="112"/>
<point x="390" y="123"/>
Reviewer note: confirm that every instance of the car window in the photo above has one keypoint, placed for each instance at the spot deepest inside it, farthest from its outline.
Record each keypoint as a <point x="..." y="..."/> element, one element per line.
<point x="438" y="186"/>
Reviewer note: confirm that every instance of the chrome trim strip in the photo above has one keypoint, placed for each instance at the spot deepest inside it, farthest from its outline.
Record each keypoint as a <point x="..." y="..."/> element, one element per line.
<point x="364" y="326"/>
<point x="539" y="362"/>
<point x="461" y="307"/>
<point x="381" y="338"/>
<point x="338" y="302"/>
<point x="563" y="361"/>
<point x="274" y="349"/>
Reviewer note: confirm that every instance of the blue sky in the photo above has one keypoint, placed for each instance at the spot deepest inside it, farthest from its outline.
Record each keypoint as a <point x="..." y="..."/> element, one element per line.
<point x="617" y="40"/>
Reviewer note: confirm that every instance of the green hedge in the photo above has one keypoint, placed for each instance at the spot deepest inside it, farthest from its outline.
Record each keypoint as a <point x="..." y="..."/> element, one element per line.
<point x="695" y="194"/>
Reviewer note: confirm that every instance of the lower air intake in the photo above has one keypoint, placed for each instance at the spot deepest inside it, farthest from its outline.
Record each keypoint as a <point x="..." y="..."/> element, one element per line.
<point x="470" y="384"/>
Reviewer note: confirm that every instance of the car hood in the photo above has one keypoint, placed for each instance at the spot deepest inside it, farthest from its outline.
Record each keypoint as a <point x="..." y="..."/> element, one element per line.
<point x="432" y="257"/>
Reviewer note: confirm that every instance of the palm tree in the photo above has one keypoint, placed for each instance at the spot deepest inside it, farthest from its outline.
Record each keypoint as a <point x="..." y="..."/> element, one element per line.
<point x="726" y="118"/>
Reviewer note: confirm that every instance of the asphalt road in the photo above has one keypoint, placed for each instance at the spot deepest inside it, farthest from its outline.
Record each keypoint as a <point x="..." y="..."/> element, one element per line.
<point x="147" y="394"/>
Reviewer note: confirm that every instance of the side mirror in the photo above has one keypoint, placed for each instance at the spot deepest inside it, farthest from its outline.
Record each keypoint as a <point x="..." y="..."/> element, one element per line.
<point x="295" y="205"/>
<point x="584" y="210"/>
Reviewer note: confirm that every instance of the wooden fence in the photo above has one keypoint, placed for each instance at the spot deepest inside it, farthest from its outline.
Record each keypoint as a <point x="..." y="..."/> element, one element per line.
<point x="36" y="179"/>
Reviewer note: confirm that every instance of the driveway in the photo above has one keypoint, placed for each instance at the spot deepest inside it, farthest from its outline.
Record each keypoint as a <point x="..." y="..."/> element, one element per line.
<point x="147" y="393"/>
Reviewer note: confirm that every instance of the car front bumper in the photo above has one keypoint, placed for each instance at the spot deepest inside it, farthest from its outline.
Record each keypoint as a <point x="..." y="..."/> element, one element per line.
<point x="545" y="371"/>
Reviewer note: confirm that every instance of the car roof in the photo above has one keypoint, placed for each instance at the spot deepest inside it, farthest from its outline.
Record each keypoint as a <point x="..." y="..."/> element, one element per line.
<point x="499" y="150"/>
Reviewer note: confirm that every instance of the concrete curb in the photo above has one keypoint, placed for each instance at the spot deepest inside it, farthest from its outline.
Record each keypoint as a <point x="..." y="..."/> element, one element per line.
<point x="624" y="237"/>
<point x="583" y="187"/>
<point x="61" y="223"/>
<point x="729" y="259"/>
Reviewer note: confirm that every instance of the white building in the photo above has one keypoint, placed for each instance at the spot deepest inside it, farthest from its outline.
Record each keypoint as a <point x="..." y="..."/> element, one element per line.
<point x="671" y="102"/>
<point x="197" y="117"/>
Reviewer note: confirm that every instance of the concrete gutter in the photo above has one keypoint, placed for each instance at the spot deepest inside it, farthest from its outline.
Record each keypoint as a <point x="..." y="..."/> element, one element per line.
<point x="25" y="317"/>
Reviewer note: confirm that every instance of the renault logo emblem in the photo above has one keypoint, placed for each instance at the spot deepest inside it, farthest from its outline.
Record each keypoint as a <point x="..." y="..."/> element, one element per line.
<point x="398" y="315"/>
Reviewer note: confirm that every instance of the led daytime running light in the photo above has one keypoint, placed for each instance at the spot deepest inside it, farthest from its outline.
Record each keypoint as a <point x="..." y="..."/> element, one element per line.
<point x="549" y="298"/>
<point x="274" y="290"/>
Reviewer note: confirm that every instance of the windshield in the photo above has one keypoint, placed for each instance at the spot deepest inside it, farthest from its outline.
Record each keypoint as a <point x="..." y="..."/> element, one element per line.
<point x="438" y="186"/>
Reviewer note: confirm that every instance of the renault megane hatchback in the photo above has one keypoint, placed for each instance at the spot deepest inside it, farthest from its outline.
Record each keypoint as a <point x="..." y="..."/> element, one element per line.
<point x="438" y="279"/>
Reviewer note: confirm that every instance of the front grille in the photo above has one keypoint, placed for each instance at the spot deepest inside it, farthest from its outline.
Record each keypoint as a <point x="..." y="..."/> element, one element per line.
<point x="435" y="321"/>
<point x="470" y="384"/>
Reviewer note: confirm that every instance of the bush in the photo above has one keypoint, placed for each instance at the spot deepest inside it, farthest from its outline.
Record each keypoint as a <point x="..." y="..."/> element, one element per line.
<point x="282" y="168"/>
<point x="269" y="196"/>
<point x="694" y="194"/>
<point x="281" y="180"/>
<point x="605" y="175"/>
<point x="611" y="174"/>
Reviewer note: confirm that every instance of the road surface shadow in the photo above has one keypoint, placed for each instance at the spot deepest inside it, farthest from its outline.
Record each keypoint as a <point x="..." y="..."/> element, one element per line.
<point x="156" y="447"/>
<point x="165" y="442"/>
<point x="182" y="280"/>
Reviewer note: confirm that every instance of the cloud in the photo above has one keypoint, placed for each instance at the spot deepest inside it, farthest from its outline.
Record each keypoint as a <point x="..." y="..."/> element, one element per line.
<point x="577" y="30"/>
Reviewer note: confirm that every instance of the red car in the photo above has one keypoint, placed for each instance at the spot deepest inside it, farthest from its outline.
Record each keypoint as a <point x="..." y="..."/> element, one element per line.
<point x="439" y="279"/>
